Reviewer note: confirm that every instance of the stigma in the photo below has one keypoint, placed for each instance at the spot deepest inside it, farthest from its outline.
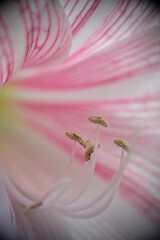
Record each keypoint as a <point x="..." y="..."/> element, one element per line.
<point x="66" y="200"/>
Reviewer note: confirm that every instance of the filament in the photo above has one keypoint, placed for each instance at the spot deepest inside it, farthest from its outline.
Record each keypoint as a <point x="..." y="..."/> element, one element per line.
<point x="81" y="182"/>
<point x="92" y="202"/>
<point x="21" y="197"/>
<point x="55" y="196"/>
<point x="91" y="171"/>
<point x="51" y="197"/>
<point x="94" y="212"/>
<point x="113" y="182"/>
<point x="72" y="159"/>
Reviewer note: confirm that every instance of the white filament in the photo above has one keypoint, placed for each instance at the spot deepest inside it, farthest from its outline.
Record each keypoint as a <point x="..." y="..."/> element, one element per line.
<point x="72" y="159"/>
<point x="97" y="199"/>
<point x="96" y="211"/>
<point x="80" y="184"/>
<point x="21" y="198"/>
<point x="87" y="209"/>
<point x="114" y="181"/>
<point x="51" y="197"/>
<point x="91" y="171"/>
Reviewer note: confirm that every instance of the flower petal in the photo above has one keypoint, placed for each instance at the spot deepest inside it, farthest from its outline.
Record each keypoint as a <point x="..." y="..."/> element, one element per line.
<point x="96" y="24"/>
<point x="133" y="57"/>
<point x="44" y="150"/>
<point x="50" y="119"/>
<point x="41" y="224"/>
<point x="43" y="35"/>
<point x="43" y="122"/>
<point x="120" y="220"/>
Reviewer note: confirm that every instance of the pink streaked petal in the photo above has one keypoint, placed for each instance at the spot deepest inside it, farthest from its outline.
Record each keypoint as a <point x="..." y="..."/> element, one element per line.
<point x="32" y="226"/>
<point x="36" y="227"/>
<point x="51" y="119"/>
<point x="35" y="166"/>
<point x="148" y="86"/>
<point x="43" y="35"/>
<point x="140" y="185"/>
<point x="120" y="221"/>
<point x="51" y="33"/>
<point x="133" y="57"/>
<point x="116" y="20"/>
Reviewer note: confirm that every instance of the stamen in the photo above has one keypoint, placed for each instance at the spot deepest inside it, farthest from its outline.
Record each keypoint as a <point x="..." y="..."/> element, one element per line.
<point x="72" y="159"/>
<point x="75" y="137"/>
<point x="89" y="213"/>
<point x="75" y="190"/>
<point x="91" y="170"/>
<point x="98" y="119"/>
<point x="88" y="152"/>
<point x="55" y="194"/>
<point x="73" y="154"/>
<point x="111" y="189"/>
<point x="69" y="209"/>
<point x="92" y="207"/>
<point x="114" y="183"/>
<point x="124" y="145"/>
<point x="51" y="196"/>
<point x="13" y="189"/>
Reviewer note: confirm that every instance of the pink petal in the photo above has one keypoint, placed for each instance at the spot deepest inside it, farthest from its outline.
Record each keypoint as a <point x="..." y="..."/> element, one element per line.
<point x="51" y="119"/>
<point x="40" y="225"/>
<point x="43" y="35"/>
<point x="43" y="117"/>
<point x="106" y="22"/>
<point x="133" y="57"/>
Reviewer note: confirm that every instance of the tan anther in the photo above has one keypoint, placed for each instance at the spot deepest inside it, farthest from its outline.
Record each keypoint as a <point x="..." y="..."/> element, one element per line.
<point x="88" y="152"/>
<point x="98" y="119"/>
<point x="31" y="208"/>
<point x="122" y="144"/>
<point x="75" y="137"/>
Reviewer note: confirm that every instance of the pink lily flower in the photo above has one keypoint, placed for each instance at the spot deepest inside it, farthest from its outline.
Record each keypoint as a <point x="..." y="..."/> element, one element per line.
<point x="62" y="63"/>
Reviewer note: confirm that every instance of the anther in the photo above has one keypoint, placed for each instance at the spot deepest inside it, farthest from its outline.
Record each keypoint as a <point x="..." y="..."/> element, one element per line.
<point x="88" y="152"/>
<point x="31" y="208"/>
<point x="99" y="120"/>
<point x="122" y="144"/>
<point x="75" y="137"/>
